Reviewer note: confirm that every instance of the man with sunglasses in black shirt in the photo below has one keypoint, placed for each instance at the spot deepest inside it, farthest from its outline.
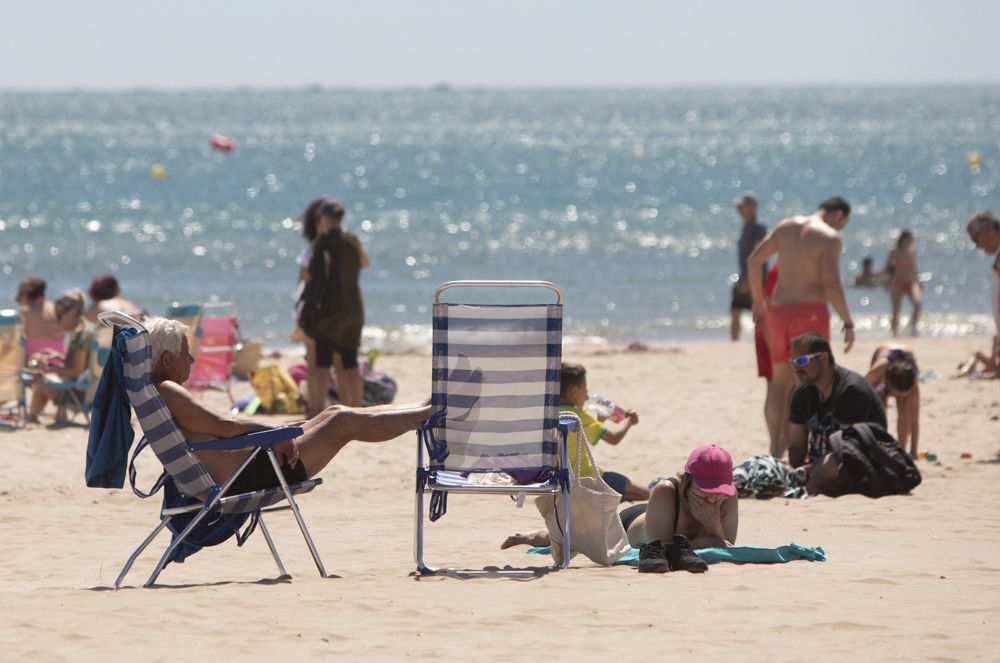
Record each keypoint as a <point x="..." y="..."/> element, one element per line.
<point x="828" y="398"/>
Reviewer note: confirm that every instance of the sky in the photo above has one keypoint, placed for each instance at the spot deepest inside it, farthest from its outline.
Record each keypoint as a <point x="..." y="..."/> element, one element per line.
<point x="114" y="44"/>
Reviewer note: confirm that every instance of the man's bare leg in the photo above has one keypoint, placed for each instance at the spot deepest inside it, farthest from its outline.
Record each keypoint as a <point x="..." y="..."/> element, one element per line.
<point x="734" y="325"/>
<point x="772" y="417"/>
<point x="326" y="434"/>
<point x="778" y="400"/>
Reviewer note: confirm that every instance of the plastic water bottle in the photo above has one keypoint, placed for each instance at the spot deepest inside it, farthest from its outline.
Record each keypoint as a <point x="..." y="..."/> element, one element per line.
<point x="605" y="408"/>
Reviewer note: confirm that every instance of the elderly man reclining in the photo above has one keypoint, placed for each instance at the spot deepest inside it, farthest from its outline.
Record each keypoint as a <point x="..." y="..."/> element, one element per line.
<point x="323" y="437"/>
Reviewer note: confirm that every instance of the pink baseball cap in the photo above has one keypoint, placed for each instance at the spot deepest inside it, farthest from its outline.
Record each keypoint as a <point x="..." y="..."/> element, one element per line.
<point x="711" y="467"/>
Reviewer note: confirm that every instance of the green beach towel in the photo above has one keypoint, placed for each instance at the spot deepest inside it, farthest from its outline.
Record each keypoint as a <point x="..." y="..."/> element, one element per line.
<point x="737" y="555"/>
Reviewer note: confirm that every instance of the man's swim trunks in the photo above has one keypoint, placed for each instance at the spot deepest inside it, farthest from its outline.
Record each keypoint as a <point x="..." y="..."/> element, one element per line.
<point x="787" y="321"/>
<point x="259" y="475"/>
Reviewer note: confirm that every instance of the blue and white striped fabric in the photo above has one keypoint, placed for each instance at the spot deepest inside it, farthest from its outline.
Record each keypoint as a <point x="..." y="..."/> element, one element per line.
<point x="168" y="442"/>
<point x="250" y="502"/>
<point x="496" y="372"/>
<point x="165" y="439"/>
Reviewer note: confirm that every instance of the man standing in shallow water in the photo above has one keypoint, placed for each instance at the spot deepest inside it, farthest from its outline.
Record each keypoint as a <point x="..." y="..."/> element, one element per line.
<point x="808" y="248"/>
<point x="751" y="235"/>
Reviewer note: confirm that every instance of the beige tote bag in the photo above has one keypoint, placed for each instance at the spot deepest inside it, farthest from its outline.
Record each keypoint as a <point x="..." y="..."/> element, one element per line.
<point x="595" y="528"/>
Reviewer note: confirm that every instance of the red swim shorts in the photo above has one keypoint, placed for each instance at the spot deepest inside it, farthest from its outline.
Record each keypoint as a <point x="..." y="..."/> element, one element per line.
<point x="764" y="367"/>
<point x="786" y="321"/>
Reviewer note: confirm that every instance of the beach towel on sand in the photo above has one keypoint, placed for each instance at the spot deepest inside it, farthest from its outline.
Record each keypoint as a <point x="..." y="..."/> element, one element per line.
<point x="764" y="477"/>
<point x="737" y="555"/>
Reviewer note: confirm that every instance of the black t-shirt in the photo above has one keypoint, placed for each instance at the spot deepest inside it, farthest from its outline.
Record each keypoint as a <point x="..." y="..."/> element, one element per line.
<point x="852" y="401"/>
<point x="752" y="232"/>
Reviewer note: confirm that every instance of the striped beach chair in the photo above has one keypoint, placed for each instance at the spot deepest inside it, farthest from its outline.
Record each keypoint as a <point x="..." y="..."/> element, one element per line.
<point x="12" y="406"/>
<point x="496" y="370"/>
<point x="182" y="467"/>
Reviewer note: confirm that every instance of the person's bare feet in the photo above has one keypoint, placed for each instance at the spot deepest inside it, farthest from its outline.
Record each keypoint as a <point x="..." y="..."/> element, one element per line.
<point x="538" y="538"/>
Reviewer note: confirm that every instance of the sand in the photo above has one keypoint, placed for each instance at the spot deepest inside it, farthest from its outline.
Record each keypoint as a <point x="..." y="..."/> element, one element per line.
<point x="910" y="577"/>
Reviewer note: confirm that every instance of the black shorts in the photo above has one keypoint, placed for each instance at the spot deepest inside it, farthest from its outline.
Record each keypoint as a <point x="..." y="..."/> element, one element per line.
<point x="631" y="513"/>
<point x="616" y="481"/>
<point x="259" y="475"/>
<point x="324" y="354"/>
<point x="741" y="299"/>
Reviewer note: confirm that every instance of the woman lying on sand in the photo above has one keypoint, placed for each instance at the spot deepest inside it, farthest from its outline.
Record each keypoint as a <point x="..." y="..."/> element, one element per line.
<point x="696" y="509"/>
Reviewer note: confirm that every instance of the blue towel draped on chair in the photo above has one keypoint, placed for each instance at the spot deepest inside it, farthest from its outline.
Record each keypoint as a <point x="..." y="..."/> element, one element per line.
<point x="111" y="433"/>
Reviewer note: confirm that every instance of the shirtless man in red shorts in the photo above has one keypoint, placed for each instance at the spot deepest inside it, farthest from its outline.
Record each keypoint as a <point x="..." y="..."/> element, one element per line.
<point x="808" y="249"/>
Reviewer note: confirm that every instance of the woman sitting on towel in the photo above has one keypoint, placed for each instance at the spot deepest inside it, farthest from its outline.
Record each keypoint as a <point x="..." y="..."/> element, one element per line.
<point x="696" y="509"/>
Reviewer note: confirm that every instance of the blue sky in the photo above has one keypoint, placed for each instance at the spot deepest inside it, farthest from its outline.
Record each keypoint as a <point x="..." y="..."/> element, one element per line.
<point x="534" y="43"/>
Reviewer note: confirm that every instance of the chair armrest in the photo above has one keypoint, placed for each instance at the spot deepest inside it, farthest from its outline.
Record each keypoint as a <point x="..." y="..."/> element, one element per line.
<point x="262" y="439"/>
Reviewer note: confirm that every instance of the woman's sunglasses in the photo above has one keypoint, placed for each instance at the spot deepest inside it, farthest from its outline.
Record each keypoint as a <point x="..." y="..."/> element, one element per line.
<point x="804" y="360"/>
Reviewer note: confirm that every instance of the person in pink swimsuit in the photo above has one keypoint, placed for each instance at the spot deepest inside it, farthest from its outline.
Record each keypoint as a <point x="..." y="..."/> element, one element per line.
<point x="44" y="337"/>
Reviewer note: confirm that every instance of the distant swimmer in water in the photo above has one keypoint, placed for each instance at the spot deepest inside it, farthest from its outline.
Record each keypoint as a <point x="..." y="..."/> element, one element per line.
<point x="901" y="265"/>
<point x="868" y="277"/>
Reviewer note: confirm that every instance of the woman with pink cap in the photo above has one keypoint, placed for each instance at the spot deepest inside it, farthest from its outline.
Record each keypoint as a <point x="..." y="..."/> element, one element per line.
<point x="696" y="509"/>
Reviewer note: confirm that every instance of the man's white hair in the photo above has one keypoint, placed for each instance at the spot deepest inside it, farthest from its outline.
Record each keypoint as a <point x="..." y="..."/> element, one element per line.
<point x="165" y="335"/>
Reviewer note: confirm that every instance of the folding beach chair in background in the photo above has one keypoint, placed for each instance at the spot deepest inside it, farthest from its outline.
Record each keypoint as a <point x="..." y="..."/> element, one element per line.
<point x="12" y="405"/>
<point x="496" y="371"/>
<point x="190" y="315"/>
<point x="218" y="334"/>
<point x="184" y="477"/>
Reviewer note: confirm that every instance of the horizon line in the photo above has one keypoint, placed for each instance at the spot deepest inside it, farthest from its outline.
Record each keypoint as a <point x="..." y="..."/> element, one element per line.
<point x="445" y="86"/>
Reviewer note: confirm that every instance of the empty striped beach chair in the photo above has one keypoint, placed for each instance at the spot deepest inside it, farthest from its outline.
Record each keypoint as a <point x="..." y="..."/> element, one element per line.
<point x="496" y="371"/>
<point x="190" y="495"/>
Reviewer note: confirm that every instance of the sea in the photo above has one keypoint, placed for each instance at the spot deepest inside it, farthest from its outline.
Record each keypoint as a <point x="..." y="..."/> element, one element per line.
<point x="621" y="197"/>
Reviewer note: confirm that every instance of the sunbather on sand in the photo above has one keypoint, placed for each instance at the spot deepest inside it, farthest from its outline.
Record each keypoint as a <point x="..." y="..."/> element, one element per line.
<point x="979" y="365"/>
<point x="696" y="509"/>
<point x="303" y="458"/>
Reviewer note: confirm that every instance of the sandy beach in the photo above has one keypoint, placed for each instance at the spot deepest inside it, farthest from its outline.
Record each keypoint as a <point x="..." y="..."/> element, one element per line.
<point x="906" y="577"/>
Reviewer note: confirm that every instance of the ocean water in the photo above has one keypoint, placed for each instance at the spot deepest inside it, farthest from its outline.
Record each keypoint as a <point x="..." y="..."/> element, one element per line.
<point x="619" y="196"/>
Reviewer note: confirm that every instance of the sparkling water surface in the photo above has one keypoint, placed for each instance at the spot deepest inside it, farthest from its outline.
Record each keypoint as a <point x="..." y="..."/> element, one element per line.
<point x="621" y="197"/>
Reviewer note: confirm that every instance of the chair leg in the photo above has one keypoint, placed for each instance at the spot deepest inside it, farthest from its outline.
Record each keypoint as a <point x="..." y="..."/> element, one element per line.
<point x="138" y="551"/>
<point x="295" y="511"/>
<point x="418" y="535"/>
<point x="173" y="546"/>
<point x="270" y="544"/>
